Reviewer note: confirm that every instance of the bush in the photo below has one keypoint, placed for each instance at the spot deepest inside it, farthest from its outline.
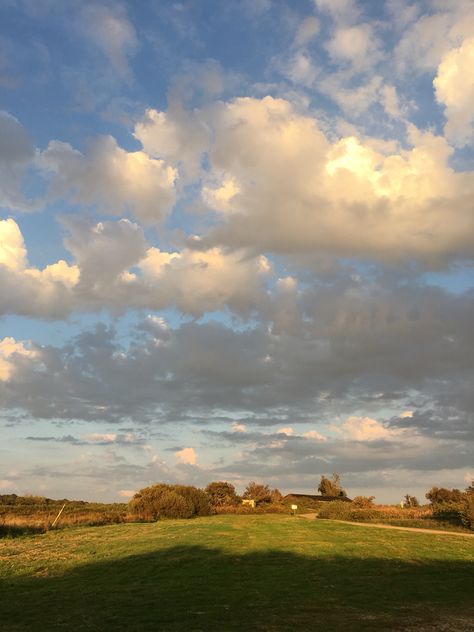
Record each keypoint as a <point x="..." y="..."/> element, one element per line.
<point x="363" y="502"/>
<point x="467" y="513"/>
<point x="449" y="511"/>
<point x="197" y="498"/>
<point x="264" y="508"/>
<point x="169" y="501"/>
<point x="361" y="515"/>
<point x="221" y="494"/>
<point x="335" y="510"/>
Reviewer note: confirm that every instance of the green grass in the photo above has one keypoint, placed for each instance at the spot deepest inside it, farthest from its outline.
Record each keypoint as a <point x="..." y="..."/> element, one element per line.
<point x="231" y="573"/>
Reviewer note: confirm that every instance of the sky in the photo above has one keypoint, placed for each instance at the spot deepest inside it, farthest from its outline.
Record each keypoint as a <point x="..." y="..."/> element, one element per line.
<point x="236" y="243"/>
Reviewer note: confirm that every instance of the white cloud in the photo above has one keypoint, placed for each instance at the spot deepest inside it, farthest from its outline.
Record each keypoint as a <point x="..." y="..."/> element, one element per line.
<point x="238" y="427"/>
<point x="344" y="11"/>
<point x="366" y="429"/>
<point x="314" y="435"/>
<point x="12" y="246"/>
<point x="199" y="281"/>
<point x="308" y="28"/>
<point x="178" y="136"/>
<point x="300" y="70"/>
<point x="127" y="493"/>
<point x="297" y="191"/>
<point x="356" y="45"/>
<point x="10" y="349"/>
<point x="429" y="38"/>
<point x="114" y="180"/>
<point x="455" y="90"/>
<point x="111" y="30"/>
<point x="186" y="456"/>
<point x="390" y="101"/>
<point x="288" y="431"/>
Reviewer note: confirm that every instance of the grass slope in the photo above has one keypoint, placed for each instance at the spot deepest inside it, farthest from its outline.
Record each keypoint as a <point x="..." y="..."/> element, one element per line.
<point x="236" y="573"/>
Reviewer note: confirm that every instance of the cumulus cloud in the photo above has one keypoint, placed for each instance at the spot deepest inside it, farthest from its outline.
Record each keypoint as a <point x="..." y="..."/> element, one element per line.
<point x="177" y="136"/>
<point x="366" y="429"/>
<point x="296" y="191"/>
<point x="114" y="180"/>
<point x="197" y="282"/>
<point x="456" y="92"/>
<point x="186" y="456"/>
<point x="114" y="267"/>
<point x="10" y="349"/>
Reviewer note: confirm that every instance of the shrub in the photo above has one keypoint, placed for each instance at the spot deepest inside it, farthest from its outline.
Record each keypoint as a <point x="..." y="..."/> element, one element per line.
<point x="335" y="510"/>
<point x="449" y="511"/>
<point x="172" y="505"/>
<point x="264" y="508"/>
<point x="169" y="501"/>
<point x="221" y="494"/>
<point x="363" y="502"/>
<point x="197" y="498"/>
<point x="364" y="514"/>
<point x="467" y="513"/>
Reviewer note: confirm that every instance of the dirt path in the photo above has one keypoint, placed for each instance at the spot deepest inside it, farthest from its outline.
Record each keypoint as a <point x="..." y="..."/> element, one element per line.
<point x="311" y="516"/>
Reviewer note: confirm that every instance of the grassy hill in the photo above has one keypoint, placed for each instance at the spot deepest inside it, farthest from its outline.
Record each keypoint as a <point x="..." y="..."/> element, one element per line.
<point x="236" y="573"/>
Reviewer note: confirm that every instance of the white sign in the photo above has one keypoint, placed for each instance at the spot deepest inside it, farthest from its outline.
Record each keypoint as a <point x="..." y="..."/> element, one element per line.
<point x="294" y="507"/>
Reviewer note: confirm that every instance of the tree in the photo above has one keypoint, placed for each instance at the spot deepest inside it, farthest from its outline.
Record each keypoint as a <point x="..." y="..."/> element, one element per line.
<point x="411" y="501"/>
<point x="257" y="492"/>
<point x="221" y="494"/>
<point x="439" y="495"/>
<point x="331" y="486"/>
<point x="276" y="496"/>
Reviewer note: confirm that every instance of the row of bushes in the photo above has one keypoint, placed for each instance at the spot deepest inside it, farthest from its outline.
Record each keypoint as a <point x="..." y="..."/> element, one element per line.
<point x="460" y="513"/>
<point x="185" y="501"/>
<point x="338" y="510"/>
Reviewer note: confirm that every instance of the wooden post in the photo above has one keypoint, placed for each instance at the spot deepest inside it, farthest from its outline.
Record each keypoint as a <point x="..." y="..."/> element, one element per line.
<point x="57" y="517"/>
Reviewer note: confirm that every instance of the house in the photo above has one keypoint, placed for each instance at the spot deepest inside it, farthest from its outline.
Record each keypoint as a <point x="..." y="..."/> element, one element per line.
<point x="315" y="497"/>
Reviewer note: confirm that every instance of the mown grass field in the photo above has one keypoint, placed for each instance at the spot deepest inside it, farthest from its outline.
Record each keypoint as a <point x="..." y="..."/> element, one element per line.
<point x="231" y="573"/>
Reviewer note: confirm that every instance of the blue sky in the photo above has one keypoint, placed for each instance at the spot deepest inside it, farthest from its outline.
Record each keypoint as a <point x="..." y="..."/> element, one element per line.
<point x="236" y="242"/>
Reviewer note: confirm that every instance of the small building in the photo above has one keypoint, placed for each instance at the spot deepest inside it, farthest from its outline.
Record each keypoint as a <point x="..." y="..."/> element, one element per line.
<point x="250" y="502"/>
<point x="315" y="497"/>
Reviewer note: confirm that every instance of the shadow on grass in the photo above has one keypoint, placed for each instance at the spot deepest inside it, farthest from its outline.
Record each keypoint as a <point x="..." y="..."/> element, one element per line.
<point x="200" y="589"/>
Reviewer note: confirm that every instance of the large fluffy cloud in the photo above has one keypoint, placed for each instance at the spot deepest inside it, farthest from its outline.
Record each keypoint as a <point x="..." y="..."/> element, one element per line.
<point x="114" y="267"/>
<point x="279" y="184"/>
<point x="457" y="94"/>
